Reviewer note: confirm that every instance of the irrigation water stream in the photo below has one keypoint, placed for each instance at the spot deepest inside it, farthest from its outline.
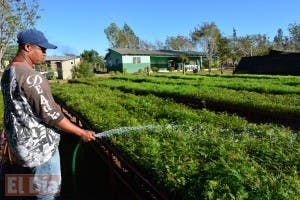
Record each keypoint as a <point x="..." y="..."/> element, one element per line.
<point x="107" y="134"/>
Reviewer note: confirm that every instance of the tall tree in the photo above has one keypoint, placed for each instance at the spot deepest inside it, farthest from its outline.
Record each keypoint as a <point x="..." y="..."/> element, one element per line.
<point x="113" y="35"/>
<point x="294" y="30"/>
<point x="15" y="15"/>
<point x="132" y="41"/>
<point x="234" y="54"/>
<point x="121" y="38"/>
<point x="224" y="51"/>
<point x="278" y="41"/>
<point x="207" y="37"/>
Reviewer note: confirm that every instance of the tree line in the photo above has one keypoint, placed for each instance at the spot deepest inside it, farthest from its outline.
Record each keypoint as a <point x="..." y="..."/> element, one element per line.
<point x="208" y="39"/>
<point x="17" y="15"/>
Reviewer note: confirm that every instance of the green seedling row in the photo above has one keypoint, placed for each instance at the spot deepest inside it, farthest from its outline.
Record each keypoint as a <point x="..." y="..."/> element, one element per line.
<point x="193" y="154"/>
<point x="285" y="106"/>
<point x="259" y="84"/>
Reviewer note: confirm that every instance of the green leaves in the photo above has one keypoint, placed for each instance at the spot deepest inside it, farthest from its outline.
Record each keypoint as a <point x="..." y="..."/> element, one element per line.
<point x="83" y="70"/>
<point x="194" y="154"/>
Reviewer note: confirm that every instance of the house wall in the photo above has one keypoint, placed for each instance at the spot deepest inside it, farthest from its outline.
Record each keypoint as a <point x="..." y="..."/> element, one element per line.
<point x="64" y="67"/>
<point x="130" y="66"/>
<point x="160" y="62"/>
<point x="52" y="65"/>
<point x="119" y="61"/>
<point x="67" y="67"/>
<point x="114" y="62"/>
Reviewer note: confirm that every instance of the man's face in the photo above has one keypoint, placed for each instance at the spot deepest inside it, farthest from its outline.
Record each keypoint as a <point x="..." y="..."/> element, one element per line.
<point x="37" y="54"/>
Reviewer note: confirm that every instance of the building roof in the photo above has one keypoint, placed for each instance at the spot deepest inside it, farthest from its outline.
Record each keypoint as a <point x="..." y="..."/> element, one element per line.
<point x="60" y="58"/>
<point x="124" y="51"/>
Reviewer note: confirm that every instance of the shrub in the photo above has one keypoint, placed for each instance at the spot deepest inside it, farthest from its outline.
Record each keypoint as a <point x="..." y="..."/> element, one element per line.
<point x="155" y="69"/>
<point x="171" y="69"/>
<point x="82" y="70"/>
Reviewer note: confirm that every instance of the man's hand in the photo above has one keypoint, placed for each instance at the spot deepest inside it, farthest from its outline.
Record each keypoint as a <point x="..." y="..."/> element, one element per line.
<point x="85" y="135"/>
<point x="88" y="136"/>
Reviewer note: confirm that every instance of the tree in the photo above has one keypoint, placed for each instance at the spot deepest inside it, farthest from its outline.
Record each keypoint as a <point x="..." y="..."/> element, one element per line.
<point x="92" y="57"/>
<point x="9" y="54"/>
<point x="179" y="43"/>
<point x="207" y="37"/>
<point x="294" y="30"/>
<point x="151" y="46"/>
<point x="235" y="53"/>
<point x="132" y="41"/>
<point x="224" y="51"/>
<point x="253" y="45"/>
<point x="146" y="45"/>
<point x="15" y="16"/>
<point x="278" y="41"/>
<point x="262" y="44"/>
<point x="182" y="59"/>
<point x="121" y="38"/>
<point x="113" y="34"/>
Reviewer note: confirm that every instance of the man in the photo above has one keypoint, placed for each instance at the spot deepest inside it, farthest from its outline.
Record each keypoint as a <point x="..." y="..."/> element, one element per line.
<point x="32" y="121"/>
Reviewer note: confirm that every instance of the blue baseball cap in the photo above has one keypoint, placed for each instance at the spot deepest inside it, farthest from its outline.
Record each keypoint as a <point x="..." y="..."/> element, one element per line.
<point x="33" y="36"/>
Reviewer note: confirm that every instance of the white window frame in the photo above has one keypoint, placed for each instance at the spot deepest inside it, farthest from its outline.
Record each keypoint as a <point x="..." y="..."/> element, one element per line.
<point x="136" y="60"/>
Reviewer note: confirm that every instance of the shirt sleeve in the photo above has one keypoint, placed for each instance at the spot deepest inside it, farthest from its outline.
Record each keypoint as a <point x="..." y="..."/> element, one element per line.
<point x="37" y="91"/>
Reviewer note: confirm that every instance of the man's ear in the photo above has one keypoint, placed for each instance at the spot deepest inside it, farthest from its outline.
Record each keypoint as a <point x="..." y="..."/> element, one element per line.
<point x="27" y="47"/>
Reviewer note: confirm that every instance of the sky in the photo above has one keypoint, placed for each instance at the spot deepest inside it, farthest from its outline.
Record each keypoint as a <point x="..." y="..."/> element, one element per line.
<point x="75" y="26"/>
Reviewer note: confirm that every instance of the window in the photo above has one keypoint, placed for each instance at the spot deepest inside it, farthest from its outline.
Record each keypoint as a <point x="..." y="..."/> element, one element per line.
<point x="136" y="60"/>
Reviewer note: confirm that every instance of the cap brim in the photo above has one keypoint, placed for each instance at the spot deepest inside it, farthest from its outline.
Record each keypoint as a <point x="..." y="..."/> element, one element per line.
<point x="48" y="45"/>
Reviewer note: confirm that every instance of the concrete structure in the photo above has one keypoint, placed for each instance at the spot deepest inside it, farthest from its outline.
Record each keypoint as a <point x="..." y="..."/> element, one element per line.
<point x="62" y="65"/>
<point x="133" y="60"/>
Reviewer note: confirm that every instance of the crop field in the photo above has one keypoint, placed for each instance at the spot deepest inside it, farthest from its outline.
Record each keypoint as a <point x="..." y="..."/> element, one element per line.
<point x="193" y="145"/>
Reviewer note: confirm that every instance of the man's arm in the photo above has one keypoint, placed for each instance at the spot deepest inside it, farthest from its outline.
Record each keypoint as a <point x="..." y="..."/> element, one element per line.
<point x="37" y="90"/>
<point x="69" y="127"/>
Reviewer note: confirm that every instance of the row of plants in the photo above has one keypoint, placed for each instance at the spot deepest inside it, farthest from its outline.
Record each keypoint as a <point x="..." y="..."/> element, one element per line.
<point x="194" y="154"/>
<point x="251" y="83"/>
<point x="285" y="106"/>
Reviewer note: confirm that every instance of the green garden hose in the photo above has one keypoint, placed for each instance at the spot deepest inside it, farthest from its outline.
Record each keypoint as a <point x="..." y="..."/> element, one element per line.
<point x="101" y="135"/>
<point x="74" y="166"/>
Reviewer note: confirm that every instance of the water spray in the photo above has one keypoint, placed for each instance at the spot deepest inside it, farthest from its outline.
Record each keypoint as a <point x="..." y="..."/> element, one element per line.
<point x="107" y="134"/>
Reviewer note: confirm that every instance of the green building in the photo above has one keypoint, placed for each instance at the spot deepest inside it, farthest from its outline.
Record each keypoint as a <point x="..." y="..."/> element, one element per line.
<point x="133" y="60"/>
